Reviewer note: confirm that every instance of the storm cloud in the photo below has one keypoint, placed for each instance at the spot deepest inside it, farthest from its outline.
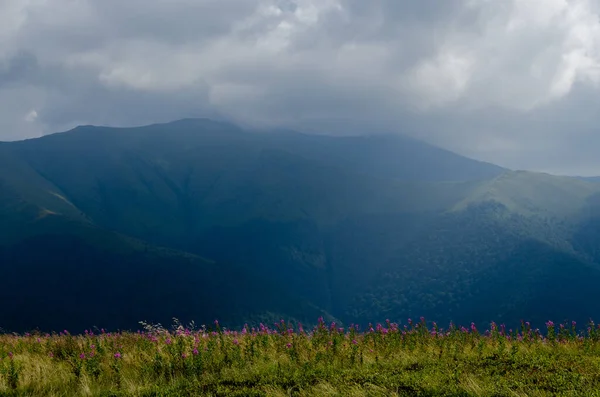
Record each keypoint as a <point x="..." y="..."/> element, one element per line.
<point x="516" y="82"/>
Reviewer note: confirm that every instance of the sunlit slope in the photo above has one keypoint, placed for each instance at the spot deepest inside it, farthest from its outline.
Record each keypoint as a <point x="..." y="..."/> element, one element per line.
<point x="530" y="193"/>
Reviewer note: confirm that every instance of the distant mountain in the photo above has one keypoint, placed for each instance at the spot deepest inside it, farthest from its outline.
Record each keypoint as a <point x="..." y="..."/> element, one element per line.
<point x="592" y="178"/>
<point x="202" y="220"/>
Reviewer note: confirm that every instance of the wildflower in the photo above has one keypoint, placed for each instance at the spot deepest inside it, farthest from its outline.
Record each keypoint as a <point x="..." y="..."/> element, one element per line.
<point x="236" y="342"/>
<point x="168" y="341"/>
<point x="10" y="355"/>
<point x="183" y="355"/>
<point x="82" y="356"/>
<point x="354" y="342"/>
<point x="51" y="355"/>
<point x="289" y="345"/>
<point x="195" y="351"/>
<point x="118" y="355"/>
<point x="549" y="324"/>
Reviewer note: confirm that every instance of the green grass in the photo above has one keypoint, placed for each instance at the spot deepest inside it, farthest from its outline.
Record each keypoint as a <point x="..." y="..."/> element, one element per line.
<point x="390" y="360"/>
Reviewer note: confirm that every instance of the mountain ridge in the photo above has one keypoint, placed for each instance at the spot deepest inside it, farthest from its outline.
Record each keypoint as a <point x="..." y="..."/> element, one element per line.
<point x="311" y="224"/>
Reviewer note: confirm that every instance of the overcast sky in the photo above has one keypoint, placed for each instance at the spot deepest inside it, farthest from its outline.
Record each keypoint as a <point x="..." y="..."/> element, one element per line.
<point x="515" y="82"/>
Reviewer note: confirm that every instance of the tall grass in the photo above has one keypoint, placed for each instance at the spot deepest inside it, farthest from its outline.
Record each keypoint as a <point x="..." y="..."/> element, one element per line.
<point x="383" y="360"/>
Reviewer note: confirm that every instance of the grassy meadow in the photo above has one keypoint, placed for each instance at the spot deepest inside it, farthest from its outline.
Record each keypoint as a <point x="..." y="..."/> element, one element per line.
<point x="416" y="359"/>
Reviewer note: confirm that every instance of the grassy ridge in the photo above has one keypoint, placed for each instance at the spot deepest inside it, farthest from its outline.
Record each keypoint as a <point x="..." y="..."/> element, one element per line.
<point x="384" y="360"/>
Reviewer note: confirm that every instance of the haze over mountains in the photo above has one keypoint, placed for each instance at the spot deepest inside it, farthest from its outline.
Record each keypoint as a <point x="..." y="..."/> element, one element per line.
<point x="199" y="220"/>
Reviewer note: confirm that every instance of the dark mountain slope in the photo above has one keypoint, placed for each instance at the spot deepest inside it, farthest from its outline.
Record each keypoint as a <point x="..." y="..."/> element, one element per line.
<point x="85" y="277"/>
<point x="386" y="156"/>
<point x="481" y="264"/>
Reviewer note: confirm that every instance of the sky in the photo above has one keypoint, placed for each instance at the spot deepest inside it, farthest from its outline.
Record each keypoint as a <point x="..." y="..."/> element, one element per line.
<point x="514" y="82"/>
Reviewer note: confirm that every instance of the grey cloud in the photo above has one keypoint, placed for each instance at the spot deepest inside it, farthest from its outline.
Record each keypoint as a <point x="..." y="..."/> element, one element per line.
<point x="510" y="81"/>
<point x="19" y="68"/>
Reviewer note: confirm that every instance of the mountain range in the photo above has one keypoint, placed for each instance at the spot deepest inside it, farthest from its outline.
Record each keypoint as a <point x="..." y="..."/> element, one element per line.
<point x="203" y="220"/>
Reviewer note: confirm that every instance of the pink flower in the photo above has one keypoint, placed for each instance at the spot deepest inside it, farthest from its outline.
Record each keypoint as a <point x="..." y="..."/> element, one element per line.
<point x="118" y="355"/>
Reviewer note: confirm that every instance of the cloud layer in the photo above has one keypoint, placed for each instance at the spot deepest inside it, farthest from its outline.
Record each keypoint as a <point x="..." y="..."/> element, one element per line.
<point x="511" y="81"/>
